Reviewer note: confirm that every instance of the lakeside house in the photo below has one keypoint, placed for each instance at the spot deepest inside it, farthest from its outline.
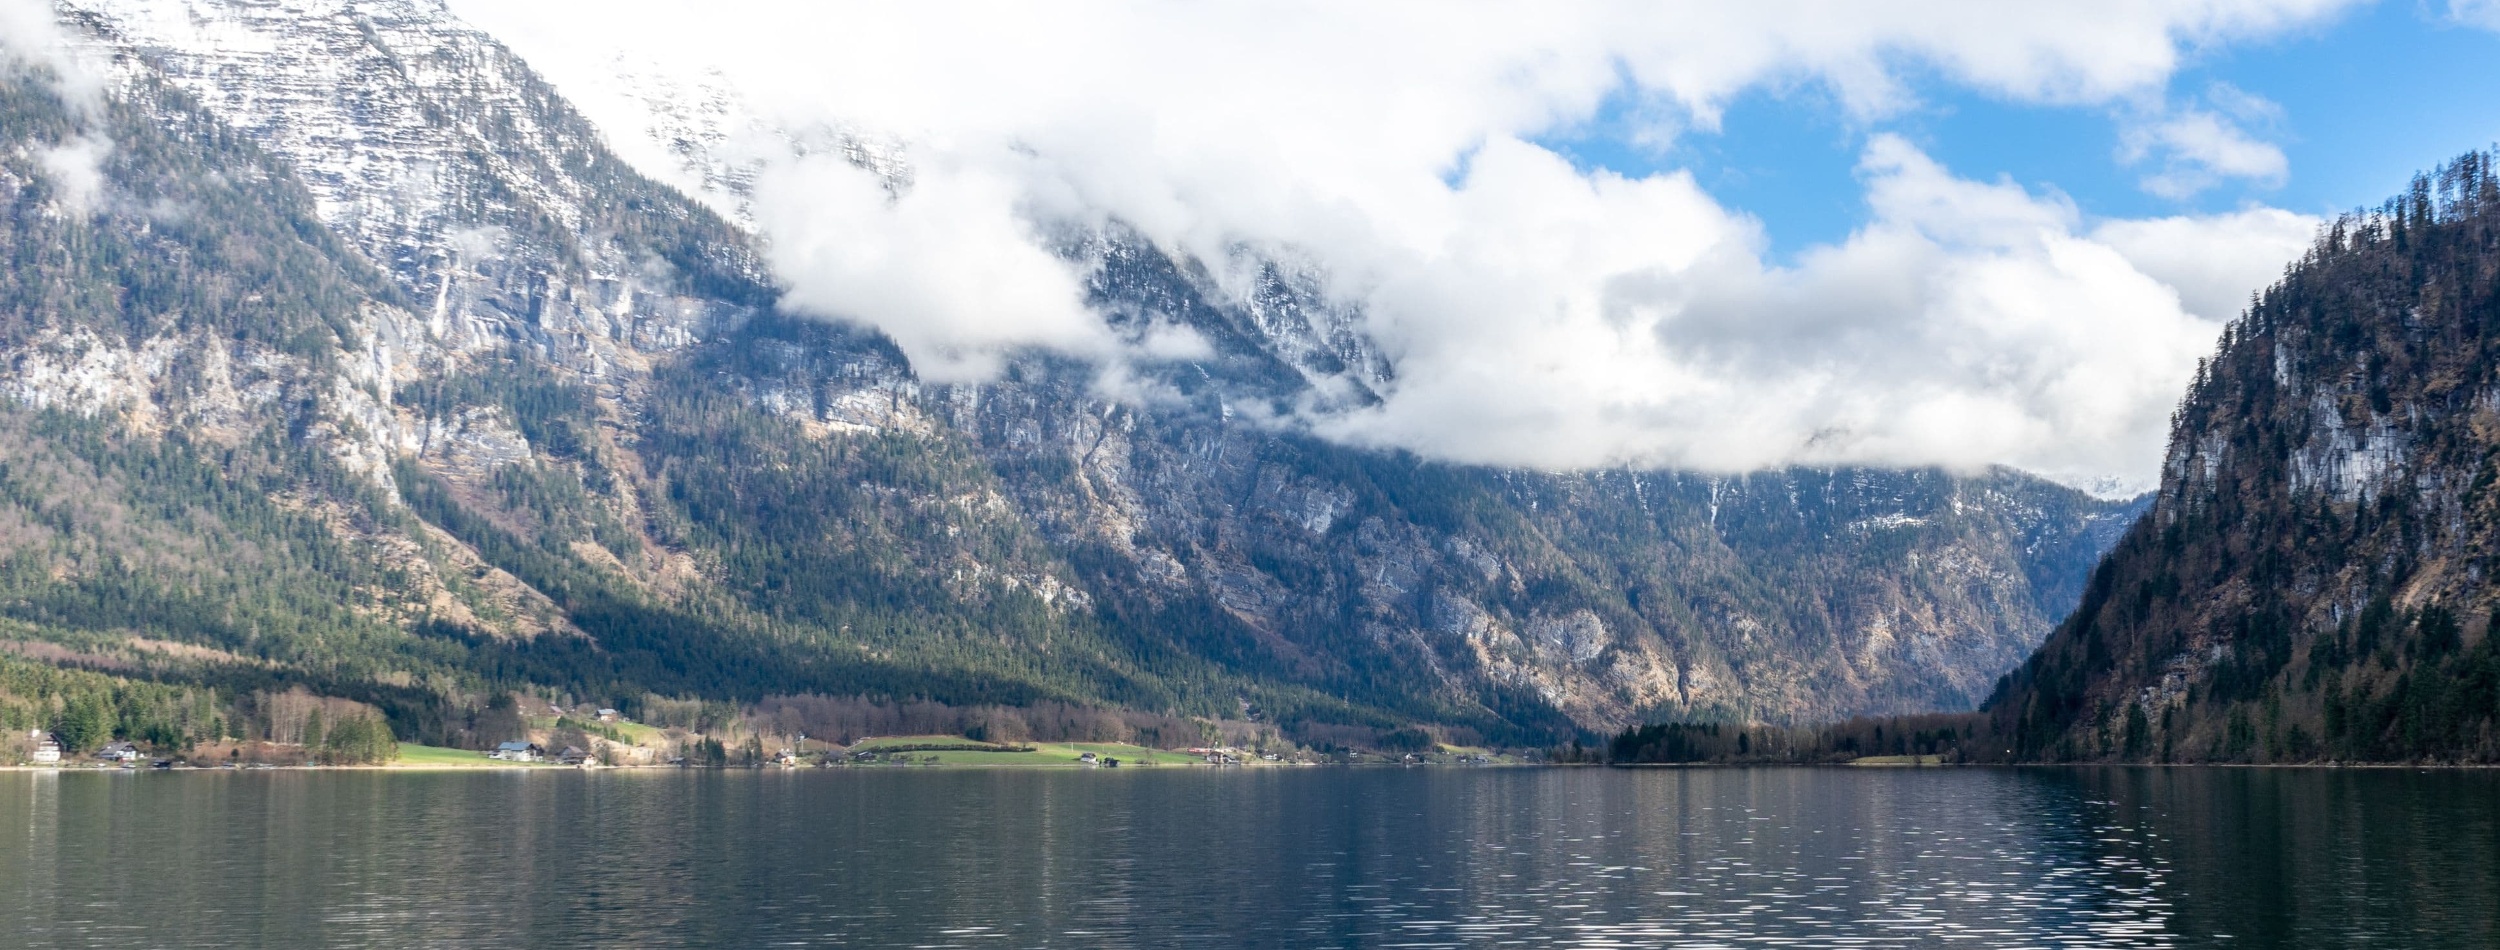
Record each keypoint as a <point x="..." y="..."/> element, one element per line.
<point x="518" y="751"/>
<point x="573" y="755"/>
<point x="118" y="752"/>
<point x="47" y="749"/>
<point x="1089" y="759"/>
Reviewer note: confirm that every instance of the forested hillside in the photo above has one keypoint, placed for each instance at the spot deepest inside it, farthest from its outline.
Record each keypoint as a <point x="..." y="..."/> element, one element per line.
<point x="2315" y="580"/>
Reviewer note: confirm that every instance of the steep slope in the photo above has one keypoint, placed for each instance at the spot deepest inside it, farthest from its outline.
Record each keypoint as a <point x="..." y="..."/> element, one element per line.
<point x="447" y="399"/>
<point x="2314" y="579"/>
<point x="236" y="435"/>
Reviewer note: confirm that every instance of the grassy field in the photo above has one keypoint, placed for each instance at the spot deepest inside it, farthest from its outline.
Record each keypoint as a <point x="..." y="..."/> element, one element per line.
<point x="414" y="756"/>
<point x="1044" y="754"/>
<point x="1897" y="760"/>
<point x="636" y="733"/>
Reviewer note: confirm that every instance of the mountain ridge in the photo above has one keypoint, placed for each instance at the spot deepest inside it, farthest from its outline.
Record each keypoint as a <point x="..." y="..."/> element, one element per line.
<point x="555" y="436"/>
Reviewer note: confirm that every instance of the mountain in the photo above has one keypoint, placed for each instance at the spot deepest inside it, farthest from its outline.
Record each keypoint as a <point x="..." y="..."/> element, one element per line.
<point x="342" y="353"/>
<point x="2314" y="581"/>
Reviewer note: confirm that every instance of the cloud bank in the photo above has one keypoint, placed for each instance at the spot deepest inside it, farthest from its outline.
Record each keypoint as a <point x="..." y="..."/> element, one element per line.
<point x="31" y="35"/>
<point x="76" y="170"/>
<point x="1578" y="322"/>
<point x="947" y="267"/>
<point x="1537" y="313"/>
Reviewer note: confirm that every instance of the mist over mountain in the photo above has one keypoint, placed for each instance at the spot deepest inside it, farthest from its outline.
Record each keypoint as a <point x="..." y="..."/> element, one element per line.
<point x="342" y="352"/>
<point x="1546" y="301"/>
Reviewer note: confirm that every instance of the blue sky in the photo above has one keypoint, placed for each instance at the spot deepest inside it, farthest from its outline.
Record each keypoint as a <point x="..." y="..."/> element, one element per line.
<point x="2365" y="99"/>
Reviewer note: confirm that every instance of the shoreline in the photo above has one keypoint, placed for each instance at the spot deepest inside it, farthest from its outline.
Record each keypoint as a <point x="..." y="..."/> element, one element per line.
<point x="533" y="767"/>
<point x="1075" y="767"/>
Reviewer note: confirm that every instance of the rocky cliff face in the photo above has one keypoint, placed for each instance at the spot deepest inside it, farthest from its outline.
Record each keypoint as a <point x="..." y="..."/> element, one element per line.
<point x="547" y="405"/>
<point x="2314" y="579"/>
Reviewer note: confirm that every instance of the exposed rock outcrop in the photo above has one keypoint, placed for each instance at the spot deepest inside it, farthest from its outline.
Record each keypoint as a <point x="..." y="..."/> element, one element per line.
<point x="580" y="444"/>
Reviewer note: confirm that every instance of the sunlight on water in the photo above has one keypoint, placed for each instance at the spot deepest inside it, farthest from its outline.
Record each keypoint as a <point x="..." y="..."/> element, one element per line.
<point x="1284" y="858"/>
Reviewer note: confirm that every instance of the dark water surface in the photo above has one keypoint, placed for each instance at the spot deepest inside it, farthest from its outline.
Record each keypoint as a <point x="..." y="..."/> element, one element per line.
<point x="1254" y="858"/>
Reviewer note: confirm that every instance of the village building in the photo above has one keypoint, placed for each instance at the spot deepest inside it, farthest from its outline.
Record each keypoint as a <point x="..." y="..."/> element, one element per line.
<point x="47" y="749"/>
<point x="518" y="751"/>
<point x="118" y="752"/>
<point x="573" y="755"/>
<point x="610" y="715"/>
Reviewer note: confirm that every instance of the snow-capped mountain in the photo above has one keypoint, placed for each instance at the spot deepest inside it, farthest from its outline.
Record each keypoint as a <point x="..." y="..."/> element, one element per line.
<point x="546" y="420"/>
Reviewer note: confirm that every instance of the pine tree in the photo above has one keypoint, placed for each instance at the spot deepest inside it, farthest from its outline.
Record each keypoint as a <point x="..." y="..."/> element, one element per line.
<point x="86" y="722"/>
<point x="312" y="732"/>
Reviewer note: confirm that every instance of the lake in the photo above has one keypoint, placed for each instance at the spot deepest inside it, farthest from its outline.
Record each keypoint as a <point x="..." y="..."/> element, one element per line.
<point x="1332" y="857"/>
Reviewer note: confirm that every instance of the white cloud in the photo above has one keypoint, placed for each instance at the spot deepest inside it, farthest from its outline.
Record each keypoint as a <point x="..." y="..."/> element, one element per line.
<point x="30" y="34"/>
<point x="1970" y="323"/>
<point x="76" y="171"/>
<point x="948" y="267"/>
<point x="1537" y="314"/>
<point x="2212" y="262"/>
<point x="2197" y="146"/>
<point x="2481" y="13"/>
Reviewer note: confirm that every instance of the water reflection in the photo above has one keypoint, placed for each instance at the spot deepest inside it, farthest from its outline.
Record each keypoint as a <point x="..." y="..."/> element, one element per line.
<point x="1280" y="858"/>
<point x="2316" y="857"/>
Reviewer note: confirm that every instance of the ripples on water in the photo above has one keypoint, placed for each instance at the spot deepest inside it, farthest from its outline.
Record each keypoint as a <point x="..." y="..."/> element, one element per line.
<point x="1273" y="858"/>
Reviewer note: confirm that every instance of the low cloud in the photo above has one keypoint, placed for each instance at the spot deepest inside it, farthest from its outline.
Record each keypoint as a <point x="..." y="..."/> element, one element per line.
<point x="949" y="267"/>
<point x="31" y="36"/>
<point x="1536" y="313"/>
<point x="75" y="169"/>
<point x="1968" y="323"/>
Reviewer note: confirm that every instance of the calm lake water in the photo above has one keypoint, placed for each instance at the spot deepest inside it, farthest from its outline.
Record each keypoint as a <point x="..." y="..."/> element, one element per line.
<point x="1254" y="858"/>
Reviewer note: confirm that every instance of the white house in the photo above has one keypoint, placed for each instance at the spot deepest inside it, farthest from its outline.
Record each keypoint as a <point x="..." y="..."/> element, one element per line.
<point x="47" y="749"/>
<point x="517" y="751"/>
<point x="118" y="752"/>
